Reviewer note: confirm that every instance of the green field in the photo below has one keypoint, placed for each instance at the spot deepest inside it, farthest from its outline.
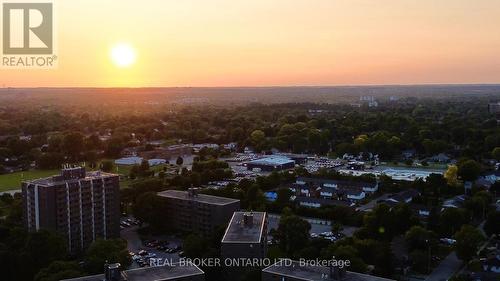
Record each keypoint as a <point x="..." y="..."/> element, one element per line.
<point x="13" y="181"/>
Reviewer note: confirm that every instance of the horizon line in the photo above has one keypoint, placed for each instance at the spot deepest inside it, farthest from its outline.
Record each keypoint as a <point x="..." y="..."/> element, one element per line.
<point x="257" y="87"/>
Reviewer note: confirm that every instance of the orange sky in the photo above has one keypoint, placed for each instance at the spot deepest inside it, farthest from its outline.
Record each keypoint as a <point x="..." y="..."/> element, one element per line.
<point x="272" y="42"/>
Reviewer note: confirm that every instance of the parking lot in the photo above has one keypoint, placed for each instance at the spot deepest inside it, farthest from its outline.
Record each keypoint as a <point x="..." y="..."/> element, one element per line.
<point x="318" y="226"/>
<point x="164" y="247"/>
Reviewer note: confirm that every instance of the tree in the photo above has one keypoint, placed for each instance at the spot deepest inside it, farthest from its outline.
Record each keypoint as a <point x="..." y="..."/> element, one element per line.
<point x="451" y="175"/>
<point x="283" y="196"/>
<point x="495" y="188"/>
<point x="194" y="246"/>
<point x="102" y="251"/>
<point x="492" y="225"/>
<point x="469" y="170"/>
<point x="149" y="208"/>
<point x="452" y="220"/>
<point x="293" y="233"/>
<point x="419" y="260"/>
<point x="107" y="166"/>
<point x="257" y="138"/>
<point x="73" y="145"/>
<point x="144" y="166"/>
<point x="42" y="248"/>
<point x="179" y="161"/>
<point x="496" y="153"/>
<point x="419" y="238"/>
<point x="50" y="160"/>
<point x="468" y="239"/>
<point x="479" y="204"/>
<point x="345" y="252"/>
<point x="59" y="270"/>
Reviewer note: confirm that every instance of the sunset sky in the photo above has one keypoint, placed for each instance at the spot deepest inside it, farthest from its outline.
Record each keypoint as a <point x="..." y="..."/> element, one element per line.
<point x="272" y="43"/>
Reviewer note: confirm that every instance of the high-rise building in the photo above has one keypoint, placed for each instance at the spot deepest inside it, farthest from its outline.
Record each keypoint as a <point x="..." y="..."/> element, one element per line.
<point x="245" y="238"/>
<point x="80" y="205"/>
<point x="189" y="211"/>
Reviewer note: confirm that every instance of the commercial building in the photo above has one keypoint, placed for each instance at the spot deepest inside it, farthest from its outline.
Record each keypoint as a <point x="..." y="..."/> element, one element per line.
<point x="295" y="271"/>
<point x="271" y="163"/>
<point x="173" y="272"/>
<point x="189" y="211"/>
<point x="80" y="205"/>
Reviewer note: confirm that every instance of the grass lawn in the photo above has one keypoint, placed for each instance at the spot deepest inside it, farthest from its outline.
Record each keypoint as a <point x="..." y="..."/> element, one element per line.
<point x="13" y="181"/>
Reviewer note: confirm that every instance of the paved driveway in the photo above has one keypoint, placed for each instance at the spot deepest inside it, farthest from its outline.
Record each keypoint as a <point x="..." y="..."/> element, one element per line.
<point x="445" y="269"/>
<point x="134" y="244"/>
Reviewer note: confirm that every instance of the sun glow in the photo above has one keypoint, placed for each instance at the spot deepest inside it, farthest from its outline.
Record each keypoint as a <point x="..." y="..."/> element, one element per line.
<point x="123" y="55"/>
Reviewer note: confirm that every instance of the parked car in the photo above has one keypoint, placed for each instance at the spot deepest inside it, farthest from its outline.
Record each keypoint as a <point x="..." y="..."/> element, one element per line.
<point x="448" y="241"/>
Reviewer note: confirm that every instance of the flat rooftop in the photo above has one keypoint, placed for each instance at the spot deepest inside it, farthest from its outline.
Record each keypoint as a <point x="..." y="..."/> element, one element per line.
<point x="317" y="273"/>
<point x="202" y="198"/>
<point x="57" y="180"/>
<point x="272" y="161"/>
<point x="238" y="232"/>
<point x="159" y="273"/>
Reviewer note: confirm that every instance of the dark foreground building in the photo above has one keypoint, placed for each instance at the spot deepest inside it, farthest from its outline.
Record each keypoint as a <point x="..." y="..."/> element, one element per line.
<point x="173" y="272"/>
<point x="189" y="211"/>
<point x="82" y="206"/>
<point x="245" y="238"/>
<point x="296" y="272"/>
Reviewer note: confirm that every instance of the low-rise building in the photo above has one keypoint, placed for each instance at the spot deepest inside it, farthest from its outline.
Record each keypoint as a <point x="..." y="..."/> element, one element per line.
<point x="318" y="202"/>
<point x="405" y="196"/>
<point x="173" y="272"/>
<point x="281" y="271"/>
<point x="271" y="163"/>
<point x="335" y="190"/>
<point x="189" y="211"/>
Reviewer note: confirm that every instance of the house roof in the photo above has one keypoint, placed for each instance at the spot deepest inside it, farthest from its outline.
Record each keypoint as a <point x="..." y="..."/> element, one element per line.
<point x="337" y="182"/>
<point x="404" y="195"/>
<point x="322" y="201"/>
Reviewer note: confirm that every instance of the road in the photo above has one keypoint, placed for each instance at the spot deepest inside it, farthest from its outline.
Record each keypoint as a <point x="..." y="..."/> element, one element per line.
<point x="370" y="205"/>
<point x="446" y="268"/>
<point x="451" y="264"/>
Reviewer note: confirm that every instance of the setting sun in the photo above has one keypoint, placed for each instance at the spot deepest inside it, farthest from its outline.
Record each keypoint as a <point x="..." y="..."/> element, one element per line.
<point x="123" y="55"/>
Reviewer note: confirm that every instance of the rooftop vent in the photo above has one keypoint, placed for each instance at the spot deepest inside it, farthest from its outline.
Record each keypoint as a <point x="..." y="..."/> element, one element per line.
<point x="112" y="272"/>
<point x="248" y="220"/>
<point x="337" y="273"/>
<point x="192" y="192"/>
<point x="68" y="172"/>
